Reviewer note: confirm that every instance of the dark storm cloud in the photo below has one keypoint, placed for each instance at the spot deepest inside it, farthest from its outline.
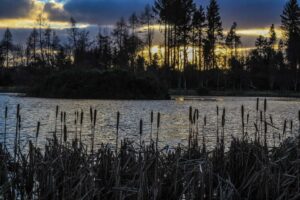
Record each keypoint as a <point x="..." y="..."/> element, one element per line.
<point x="248" y="13"/>
<point x="103" y="11"/>
<point x="55" y="13"/>
<point x="15" y="8"/>
<point x="251" y="13"/>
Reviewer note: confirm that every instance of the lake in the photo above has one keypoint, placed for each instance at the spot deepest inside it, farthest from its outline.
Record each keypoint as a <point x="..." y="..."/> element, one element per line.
<point x="174" y="117"/>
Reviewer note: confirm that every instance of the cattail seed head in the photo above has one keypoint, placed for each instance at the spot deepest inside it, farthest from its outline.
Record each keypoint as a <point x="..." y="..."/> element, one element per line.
<point x="284" y="126"/>
<point x="37" y="130"/>
<point x="265" y="105"/>
<point x="190" y="114"/>
<point x="65" y="133"/>
<point x="65" y="116"/>
<point x="242" y="112"/>
<point x="6" y="112"/>
<point x="56" y="112"/>
<point x="141" y="127"/>
<point x="118" y="119"/>
<point x="18" y="110"/>
<point x="257" y="104"/>
<point x="151" y="117"/>
<point x="91" y="114"/>
<point x="19" y="120"/>
<point x="158" y="120"/>
<point x="81" y="117"/>
<point x="95" y="117"/>
<point x="261" y="116"/>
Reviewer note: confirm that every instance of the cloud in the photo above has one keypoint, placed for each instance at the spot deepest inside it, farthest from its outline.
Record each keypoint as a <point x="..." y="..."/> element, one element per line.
<point x="103" y="11"/>
<point x="56" y="12"/>
<point x="15" y="8"/>
<point x="251" y="13"/>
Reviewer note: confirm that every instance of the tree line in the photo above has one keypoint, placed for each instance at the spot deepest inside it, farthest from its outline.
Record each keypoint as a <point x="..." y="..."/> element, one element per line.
<point x="195" y="52"/>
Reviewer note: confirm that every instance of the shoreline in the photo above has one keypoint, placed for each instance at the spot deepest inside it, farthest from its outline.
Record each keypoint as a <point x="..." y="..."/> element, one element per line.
<point x="174" y="94"/>
<point x="231" y="93"/>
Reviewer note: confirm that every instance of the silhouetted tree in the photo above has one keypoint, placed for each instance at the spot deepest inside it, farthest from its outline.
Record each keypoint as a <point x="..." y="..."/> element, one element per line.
<point x="198" y="36"/>
<point x="41" y="22"/>
<point x="233" y="41"/>
<point x="31" y="48"/>
<point x="73" y="36"/>
<point x="147" y="20"/>
<point x="290" y="19"/>
<point x="7" y="46"/>
<point x="214" y="33"/>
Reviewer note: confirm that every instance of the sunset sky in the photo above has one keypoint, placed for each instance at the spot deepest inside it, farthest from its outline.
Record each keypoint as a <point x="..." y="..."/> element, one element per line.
<point x="253" y="16"/>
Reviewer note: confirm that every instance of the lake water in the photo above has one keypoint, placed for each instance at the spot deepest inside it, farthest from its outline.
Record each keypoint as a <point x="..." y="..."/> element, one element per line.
<point x="174" y="117"/>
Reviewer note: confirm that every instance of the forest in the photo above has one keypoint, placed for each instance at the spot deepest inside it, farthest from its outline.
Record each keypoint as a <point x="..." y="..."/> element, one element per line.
<point x="195" y="52"/>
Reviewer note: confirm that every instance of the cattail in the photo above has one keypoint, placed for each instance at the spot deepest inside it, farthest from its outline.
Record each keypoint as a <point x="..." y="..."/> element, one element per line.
<point x="65" y="116"/>
<point x="158" y="120"/>
<point x="291" y="126"/>
<point x="75" y="119"/>
<point x="37" y="132"/>
<point x="299" y="115"/>
<point x="151" y="120"/>
<point x="95" y="117"/>
<point x="271" y="119"/>
<point x="81" y="117"/>
<point x="256" y="131"/>
<point x="248" y="118"/>
<point x="261" y="116"/>
<point x="141" y="127"/>
<point x="117" y="134"/>
<point x="5" y="123"/>
<point x="223" y="117"/>
<point x="242" y="112"/>
<point x="195" y="116"/>
<point x="190" y="114"/>
<point x="151" y="117"/>
<point x="141" y="132"/>
<point x="18" y="110"/>
<point x="205" y="120"/>
<point x="81" y="123"/>
<point x="257" y="104"/>
<point x="6" y="112"/>
<point x="217" y="110"/>
<point x="284" y="127"/>
<point x="65" y="133"/>
<point x="265" y="105"/>
<point x="118" y="120"/>
<point x="91" y="114"/>
<point x="56" y="112"/>
<point x="265" y="135"/>
<point x="158" y="125"/>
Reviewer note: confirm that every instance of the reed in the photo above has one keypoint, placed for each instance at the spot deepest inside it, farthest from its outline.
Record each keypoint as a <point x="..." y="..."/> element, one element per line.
<point x="246" y="169"/>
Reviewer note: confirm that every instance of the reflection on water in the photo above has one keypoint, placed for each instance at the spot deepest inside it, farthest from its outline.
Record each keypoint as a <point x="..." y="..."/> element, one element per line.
<point x="174" y="117"/>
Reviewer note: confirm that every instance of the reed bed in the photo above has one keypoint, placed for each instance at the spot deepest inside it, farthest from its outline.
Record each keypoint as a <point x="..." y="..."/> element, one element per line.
<point x="248" y="168"/>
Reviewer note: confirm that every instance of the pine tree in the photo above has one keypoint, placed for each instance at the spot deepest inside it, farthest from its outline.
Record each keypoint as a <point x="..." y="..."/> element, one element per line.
<point x="198" y="35"/>
<point x="214" y="32"/>
<point x="7" y="45"/>
<point x="290" y="20"/>
<point x="147" y="20"/>
<point x="233" y="41"/>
